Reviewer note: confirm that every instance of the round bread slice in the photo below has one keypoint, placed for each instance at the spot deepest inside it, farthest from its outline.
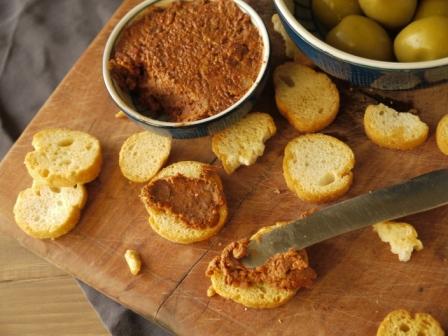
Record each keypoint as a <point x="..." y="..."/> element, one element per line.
<point x="442" y="135"/>
<point x="318" y="167"/>
<point x="142" y="155"/>
<point x="259" y="295"/>
<point x="188" y="193"/>
<point x="309" y="100"/>
<point x="49" y="212"/>
<point x="64" y="157"/>
<point x="400" y="322"/>
<point x="394" y="130"/>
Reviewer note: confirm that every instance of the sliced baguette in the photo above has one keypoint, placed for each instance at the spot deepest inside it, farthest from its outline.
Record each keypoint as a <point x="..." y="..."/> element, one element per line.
<point x="402" y="237"/>
<point x="401" y="323"/>
<point x="142" y="155"/>
<point x="243" y="142"/>
<point x="49" y="212"/>
<point x="442" y="135"/>
<point x="318" y="167"/>
<point x="64" y="157"/>
<point x="394" y="130"/>
<point x="309" y="100"/>
<point x="171" y="226"/>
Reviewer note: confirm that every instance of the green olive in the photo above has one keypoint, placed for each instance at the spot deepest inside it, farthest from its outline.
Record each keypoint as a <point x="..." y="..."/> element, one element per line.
<point x="431" y="8"/>
<point x="423" y="40"/>
<point x="391" y="14"/>
<point x="331" y="12"/>
<point x="361" y="36"/>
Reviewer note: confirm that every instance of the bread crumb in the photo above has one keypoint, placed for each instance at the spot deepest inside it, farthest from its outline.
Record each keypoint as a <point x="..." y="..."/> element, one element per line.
<point x="245" y="308"/>
<point x="276" y="191"/>
<point x="402" y="237"/>
<point x="133" y="260"/>
<point x="211" y="291"/>
<point x="280" y="321"/>
<point x="120" y="115"/>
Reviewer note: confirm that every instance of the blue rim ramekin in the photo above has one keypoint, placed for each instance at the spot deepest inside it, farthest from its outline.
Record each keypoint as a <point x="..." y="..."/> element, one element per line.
<point x="199" y="128"/>
<point x="357" y="70"/>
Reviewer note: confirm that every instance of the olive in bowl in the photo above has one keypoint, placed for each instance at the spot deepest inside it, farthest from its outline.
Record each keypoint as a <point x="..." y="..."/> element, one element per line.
<point x="392" y="14"/>
<point x="306" y="32"/>
<point x="350" y="36"/>
<point x="423" y="40"/>
<point x="431" y="8"/>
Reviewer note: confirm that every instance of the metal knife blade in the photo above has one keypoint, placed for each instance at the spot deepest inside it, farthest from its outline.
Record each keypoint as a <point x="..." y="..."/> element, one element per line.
<point x="419" y="194"/>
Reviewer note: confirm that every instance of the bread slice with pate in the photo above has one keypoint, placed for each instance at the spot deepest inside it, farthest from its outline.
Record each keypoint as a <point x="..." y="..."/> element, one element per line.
<point x="185" y="202"/>
<point x="259" y="293"/>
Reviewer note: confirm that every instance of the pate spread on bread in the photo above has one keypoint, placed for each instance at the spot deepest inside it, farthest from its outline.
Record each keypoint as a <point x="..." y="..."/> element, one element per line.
<point x="185" y="202"/>
<point x="267" y="286"/>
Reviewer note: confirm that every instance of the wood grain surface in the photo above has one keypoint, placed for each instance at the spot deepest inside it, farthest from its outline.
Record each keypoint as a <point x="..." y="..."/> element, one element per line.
<point x="359" y="281"/>
<point x="40" y="299"/>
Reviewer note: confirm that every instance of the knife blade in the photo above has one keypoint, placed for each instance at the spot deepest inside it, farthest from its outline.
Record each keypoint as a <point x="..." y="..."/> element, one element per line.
<point x="419" y="194"/>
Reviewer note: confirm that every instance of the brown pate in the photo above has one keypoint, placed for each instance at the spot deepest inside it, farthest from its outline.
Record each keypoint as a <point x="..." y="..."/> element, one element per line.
<point x="196" y="202"/>
<point x="188" y="60"/>
<point x="289" y="270"/>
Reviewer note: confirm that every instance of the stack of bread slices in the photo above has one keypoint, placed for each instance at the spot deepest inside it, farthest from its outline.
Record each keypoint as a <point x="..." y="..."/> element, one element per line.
<point x="63" y="161"/>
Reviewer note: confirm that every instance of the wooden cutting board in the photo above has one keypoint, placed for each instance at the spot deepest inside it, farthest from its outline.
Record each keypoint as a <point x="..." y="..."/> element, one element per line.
<point x="359" y="281"/>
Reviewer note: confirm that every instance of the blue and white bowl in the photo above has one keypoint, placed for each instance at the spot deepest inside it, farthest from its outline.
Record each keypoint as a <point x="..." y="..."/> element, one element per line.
<point x="307" y="34"/>
<point x="197" y="128"/>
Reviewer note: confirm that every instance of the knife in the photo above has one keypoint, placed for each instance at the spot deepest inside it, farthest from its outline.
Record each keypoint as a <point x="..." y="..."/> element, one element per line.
<point x="419" y="194"/>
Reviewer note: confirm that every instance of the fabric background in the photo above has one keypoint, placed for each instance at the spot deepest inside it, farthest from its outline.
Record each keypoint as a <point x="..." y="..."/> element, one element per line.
<point x="39" y="42"/>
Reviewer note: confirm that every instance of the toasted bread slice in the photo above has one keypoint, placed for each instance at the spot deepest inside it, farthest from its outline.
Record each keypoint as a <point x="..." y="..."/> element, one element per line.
<point x="395" y="130"/>
<point x="402" y="238"/>
<point x="63" y="157"/>
<point x="243" y="142"/>
<point x="309" y="100"/>
<point x="259" y="295"/>
<point x="142" y="155"/>
<point x="401" y="323"/>
<point x="318" y="167"/>
<point x="291" y="50"/>
<point x="442" y="135"/>
<point x="49" y="212"/>
<point x="177" y="225"/>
